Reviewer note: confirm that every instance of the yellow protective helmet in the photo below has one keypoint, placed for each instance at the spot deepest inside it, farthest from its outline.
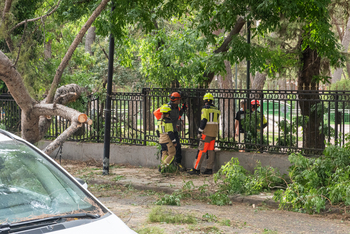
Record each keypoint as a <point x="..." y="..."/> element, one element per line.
<point x="208" y="96"/>
<point x="165" y="108"/>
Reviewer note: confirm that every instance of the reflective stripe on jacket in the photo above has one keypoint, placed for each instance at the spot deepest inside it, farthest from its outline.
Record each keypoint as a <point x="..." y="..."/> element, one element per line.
<point x="210" y="121"/>
<point x="166" y="131"/>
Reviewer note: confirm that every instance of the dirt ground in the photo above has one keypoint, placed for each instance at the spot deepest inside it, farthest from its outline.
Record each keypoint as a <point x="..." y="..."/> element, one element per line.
<point x="131" y="192"/>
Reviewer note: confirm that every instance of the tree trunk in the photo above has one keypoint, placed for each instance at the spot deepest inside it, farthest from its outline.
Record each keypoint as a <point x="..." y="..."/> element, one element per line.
<point x="47" y="50"/>
<point x="150" y="107"/>
<point x="226" y="83"/>
<point x="133" y="110"/>
<point x="226" y="105"/>
<point x="312" y="137"/>
<point x="90" y="39"/>
<point x="31" y="110"/>
<point x="348" y="69"/>
<point x="345" y="43"/>
<point x="194" y="114"/>
<point x="281" y="84"/>
<point x="259" y="81"/>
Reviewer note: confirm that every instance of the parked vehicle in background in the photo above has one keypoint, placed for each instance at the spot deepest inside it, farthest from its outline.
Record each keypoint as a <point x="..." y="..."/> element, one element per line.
<point x="38" y="196"/>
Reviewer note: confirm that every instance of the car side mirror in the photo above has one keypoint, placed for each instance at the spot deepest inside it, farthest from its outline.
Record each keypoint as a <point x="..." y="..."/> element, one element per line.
<point x="82" y="182"/>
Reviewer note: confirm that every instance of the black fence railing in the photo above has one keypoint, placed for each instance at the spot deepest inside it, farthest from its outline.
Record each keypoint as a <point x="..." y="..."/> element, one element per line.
<point x="297" y="121"/>
<point x="10" y="113"/>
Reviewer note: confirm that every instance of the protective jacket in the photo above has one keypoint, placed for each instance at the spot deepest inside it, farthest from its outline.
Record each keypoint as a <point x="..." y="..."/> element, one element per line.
<point x="209" y="124"/>
<point x="175" y="114"/>
<point x="264" y="121"/>
<point x="165" y="131"/>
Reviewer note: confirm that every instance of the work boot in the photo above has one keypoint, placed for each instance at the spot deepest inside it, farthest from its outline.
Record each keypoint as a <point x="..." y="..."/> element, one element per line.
<point x="180" y="167"/>
<point x="194" y="172"/>
<point x="208" y="172"/>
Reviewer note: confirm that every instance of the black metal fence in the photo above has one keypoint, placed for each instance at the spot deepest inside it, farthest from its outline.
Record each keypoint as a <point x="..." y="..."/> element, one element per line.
<point x="10" y="113"/>
<point x="297" y="121"/>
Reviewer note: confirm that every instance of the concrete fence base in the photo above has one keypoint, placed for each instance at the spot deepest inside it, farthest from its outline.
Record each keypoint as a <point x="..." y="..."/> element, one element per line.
<point x="146" y="156"/>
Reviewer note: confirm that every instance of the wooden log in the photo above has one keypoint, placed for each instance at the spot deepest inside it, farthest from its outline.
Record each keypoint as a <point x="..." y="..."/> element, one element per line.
<point x="82" y="118"/>
<point x="89" y="121"/>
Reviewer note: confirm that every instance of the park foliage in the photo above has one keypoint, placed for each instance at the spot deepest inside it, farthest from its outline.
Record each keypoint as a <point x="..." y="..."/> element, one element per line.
<point x="161" y="41"/>
<point x="312" y="185"/>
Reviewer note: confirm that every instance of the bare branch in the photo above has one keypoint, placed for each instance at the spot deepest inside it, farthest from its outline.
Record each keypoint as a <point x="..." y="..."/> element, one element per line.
<point x="76" y="118"/>
<point x="59" y="110"/>
<point x="104" y="51"/>
<point x="62" y="137"/>
<point x="7" y="7"/>
<point x="20" y="44"/>
<point x="72" y="48"/>
<point x="65" y="96"/>
<point x="6" y="10"/>
<point x="38" y="18"/>
<point x="338" y="28"/>
<point x="224" y="47"/>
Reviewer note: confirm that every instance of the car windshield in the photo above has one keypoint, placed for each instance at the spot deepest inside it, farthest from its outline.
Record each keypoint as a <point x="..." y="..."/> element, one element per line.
<point x="32" y="187"/>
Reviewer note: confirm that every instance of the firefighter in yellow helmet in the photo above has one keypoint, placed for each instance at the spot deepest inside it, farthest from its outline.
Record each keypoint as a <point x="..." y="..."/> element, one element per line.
<point x="207" y="133"/>
<point x="167" y="140"/>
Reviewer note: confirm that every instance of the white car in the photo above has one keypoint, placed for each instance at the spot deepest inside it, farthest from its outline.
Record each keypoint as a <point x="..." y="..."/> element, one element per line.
<point x="38" y="196"/>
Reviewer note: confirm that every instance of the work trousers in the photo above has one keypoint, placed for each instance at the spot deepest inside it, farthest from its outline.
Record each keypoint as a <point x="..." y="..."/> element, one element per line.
<point x="205" y="149"/>
<point x="168" y="153"/>
<point x="178" y="156"/>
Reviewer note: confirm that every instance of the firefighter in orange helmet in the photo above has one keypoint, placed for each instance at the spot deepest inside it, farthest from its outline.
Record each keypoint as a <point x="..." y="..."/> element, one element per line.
<point x="254" y="106"/>
<point x="175" y="116"/>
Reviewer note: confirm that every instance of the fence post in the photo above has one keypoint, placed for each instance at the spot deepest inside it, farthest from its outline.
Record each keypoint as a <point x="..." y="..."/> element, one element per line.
<point x="107" y="126"/>
<point x="98" y="119"/>
<point x="144" y="94"/>
<point x="336" y="119"/>
<point x="261" y="121"/>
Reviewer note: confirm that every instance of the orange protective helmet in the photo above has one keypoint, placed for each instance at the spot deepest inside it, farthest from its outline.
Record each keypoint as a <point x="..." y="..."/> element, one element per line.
<point x="175" y="96"/>
<point x="255" y="102"/>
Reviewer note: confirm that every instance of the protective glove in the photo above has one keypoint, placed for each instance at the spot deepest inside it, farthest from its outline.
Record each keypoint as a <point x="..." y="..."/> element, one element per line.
<point x="184" y="107"/>
<point x="199" y="135"/>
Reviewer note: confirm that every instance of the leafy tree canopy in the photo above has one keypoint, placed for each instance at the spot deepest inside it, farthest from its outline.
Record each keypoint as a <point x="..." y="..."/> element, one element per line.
<point x="182" y="45"/>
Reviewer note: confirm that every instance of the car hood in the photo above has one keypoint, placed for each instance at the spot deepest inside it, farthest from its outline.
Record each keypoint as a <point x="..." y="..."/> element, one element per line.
<point x="109" y="224"/>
